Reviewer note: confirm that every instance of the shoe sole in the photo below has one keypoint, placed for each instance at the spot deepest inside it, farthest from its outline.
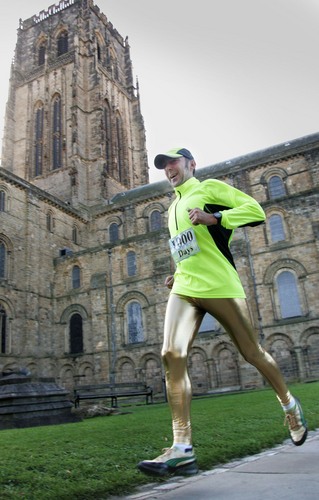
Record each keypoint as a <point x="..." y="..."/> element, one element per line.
<point x="302" y="440"/>
<point x="161" y="469"/>
<point x="304" y="437"/>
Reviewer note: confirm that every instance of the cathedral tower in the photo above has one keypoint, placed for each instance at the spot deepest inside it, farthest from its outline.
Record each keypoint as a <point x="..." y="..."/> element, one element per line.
<point x="73" y="125"/>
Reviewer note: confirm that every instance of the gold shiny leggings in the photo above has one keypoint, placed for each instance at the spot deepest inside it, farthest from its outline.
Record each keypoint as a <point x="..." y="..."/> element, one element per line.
<point x="182" y="322"/>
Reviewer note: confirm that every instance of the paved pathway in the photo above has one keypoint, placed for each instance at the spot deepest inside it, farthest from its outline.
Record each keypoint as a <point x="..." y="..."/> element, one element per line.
<point x="286" y="472"/>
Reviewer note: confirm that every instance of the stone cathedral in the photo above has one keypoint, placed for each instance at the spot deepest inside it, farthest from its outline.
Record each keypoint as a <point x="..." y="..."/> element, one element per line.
<point x="83" y="238"/>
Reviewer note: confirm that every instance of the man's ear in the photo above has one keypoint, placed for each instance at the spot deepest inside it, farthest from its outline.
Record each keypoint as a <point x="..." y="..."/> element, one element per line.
<point x="193" y="165"/>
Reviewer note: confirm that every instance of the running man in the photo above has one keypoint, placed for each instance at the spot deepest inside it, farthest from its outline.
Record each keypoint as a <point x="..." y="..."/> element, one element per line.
<point x="202" y="219"/>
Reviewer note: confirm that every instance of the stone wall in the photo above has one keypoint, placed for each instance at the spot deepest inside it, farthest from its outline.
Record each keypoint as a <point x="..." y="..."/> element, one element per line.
<point x="40" y="299"/>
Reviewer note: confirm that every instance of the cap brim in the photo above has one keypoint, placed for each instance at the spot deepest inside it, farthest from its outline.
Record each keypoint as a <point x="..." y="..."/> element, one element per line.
<point x="159" y="160"/>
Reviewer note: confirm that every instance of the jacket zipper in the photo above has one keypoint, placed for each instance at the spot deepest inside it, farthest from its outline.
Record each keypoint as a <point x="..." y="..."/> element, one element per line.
<point x="175" y="211"/>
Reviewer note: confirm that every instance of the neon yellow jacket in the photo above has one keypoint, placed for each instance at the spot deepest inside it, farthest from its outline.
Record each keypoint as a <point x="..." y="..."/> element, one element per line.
<point x="211" y="273"/>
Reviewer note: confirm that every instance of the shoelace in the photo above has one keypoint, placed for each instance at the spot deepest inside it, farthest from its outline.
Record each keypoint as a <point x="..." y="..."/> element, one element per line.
<point x="165" y="451"/>
<point x="292" y="421"/>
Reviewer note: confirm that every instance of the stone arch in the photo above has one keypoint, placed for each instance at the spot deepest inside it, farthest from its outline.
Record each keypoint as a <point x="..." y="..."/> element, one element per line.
<point x="153" y="206"/>
<point x="40" y="48"/>
<point x="147" y="212"/>
<point x="281" y="348"/>
<point x="282" y="264"/>
<point x="7" y="193"/>
<point x="41" y="39"/>
<point x="125" y="370"/>
<point x="37" y="165"/>
<point x="7" y="304"/>
<point x="121" y="312"/>
<point x="115" y="219"/>
<point x="50" y="219"/>
<point x="198" y="370"/>
<point x="285" y="222"/>
<point x="273" y="171"/>
<point x="71" y="310"/>
<point x="69" y="265"/>
<point x="100" y="53"/>
<point x="134" y="295"/>
<point x="38" y="104"/>
<point x="85" y="373"/>
<point x="33" y="368"/>
<point x="51" y="369"/>
<point x="56" y="141"/>
<point x="60" y="28"/>
<point x="99" y="38"/>
<point x="310" y="352"/>
<point x="131" y="262"/>
<point x="65" y="320"/>
<point x="7" y="316"/>
<point x="227" y="367"/>
<point x="76" y="233"/>
<point x="60" y="31"/>
<point x="7" y="241"/>
<point x="9" y="255"/>
<point x="152" y="371"/>
<point x="67" y="376"/>
<point x="274" y="337"/>
<point x="277" y="267"/>
<point x="10" y="366"/>
<point x="106" y="143"/>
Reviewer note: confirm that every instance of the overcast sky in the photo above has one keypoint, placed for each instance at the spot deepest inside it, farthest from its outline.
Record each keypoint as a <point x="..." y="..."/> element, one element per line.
<point x="222" y="78"/>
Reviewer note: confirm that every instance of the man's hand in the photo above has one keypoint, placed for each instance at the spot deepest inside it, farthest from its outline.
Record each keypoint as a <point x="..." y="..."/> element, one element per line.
<point x="198" y="216"/>
<point x="169" y="281"/>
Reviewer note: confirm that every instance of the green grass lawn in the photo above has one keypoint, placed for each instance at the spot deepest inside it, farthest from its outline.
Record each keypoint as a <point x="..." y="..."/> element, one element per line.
<point x="97" y="458"/>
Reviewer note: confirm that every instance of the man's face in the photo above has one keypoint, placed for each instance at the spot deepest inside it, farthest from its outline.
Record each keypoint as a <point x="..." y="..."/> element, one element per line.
<point x="179" y="170"/>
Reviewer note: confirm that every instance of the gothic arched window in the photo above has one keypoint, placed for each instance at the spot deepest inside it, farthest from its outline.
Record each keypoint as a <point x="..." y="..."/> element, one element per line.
<point x="49" y="220"/>
<point x="134" y="322"/>
<point x="76" y="277"/>
<point x="3" y="260"/>
<point x="38" y="141"/>
<point x="116" y="70"/>
<point x="276" y="187"/>
<point x="2" y="200"/>
<point x="155" y="220"/>
<point x="41" y="55"/>
<point x="75" y="235"/>
<point x="288" y="295"/>
<point x="119" y="148"/>
<point x="57" y="133"/>
<point x="107" y="128"/>
<point x="131" y="263"/>
<point x="63" y="43"/>
<point x="276" y="227"/>
<point x="76" y="334"/>
<point x="3" y="330"/>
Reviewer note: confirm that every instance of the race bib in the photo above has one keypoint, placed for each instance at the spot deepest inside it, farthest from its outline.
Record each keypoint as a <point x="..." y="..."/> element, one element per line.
<point x="184" y="245"/>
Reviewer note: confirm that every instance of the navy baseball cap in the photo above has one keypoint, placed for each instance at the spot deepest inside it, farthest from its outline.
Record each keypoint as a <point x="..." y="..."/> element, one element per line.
<point x="159" y="160"/>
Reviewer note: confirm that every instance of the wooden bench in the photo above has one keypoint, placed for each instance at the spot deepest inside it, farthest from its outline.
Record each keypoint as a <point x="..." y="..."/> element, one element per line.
<point x="112" y="392"/>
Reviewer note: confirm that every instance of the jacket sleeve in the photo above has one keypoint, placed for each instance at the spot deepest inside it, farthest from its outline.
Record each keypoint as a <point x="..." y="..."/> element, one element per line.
<point x="238" y="209"/>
